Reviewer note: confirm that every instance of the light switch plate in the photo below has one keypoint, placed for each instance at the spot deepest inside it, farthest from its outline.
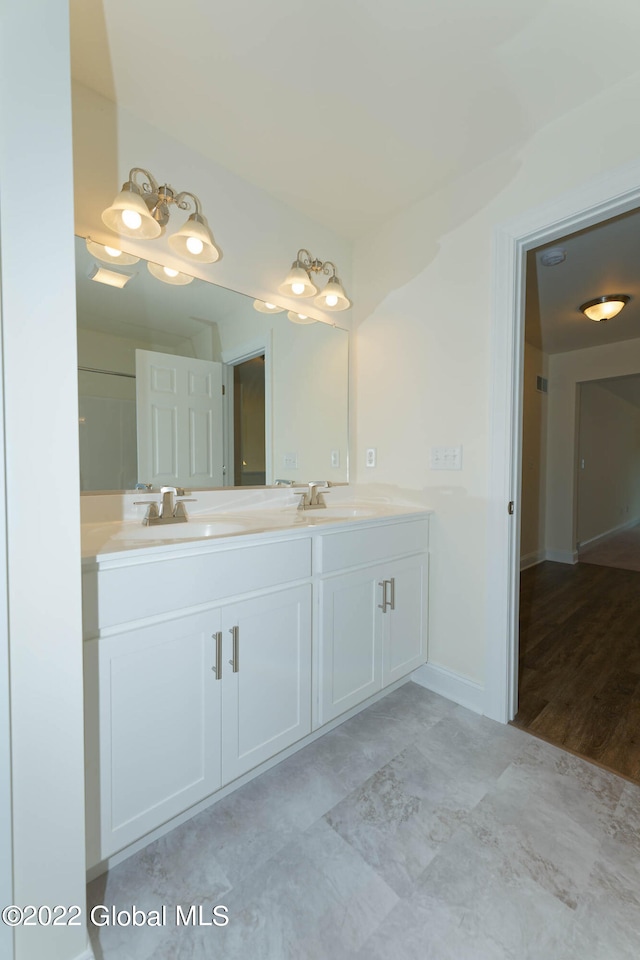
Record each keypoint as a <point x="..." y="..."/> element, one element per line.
<point x="446" y="458"/>
<point x="290" y="461"/>
<point x="371" y="457"/>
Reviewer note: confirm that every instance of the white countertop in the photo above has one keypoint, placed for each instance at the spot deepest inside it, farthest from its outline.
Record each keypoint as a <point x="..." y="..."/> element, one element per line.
<point x="104" y="540"/>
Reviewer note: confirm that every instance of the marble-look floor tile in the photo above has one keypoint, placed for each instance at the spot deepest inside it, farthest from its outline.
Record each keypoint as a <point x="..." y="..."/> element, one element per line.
<point x="416" y="830"/>
<point x="316" y="901"/>
<point x="466" y="907"/>
<point x="400" y="817"/>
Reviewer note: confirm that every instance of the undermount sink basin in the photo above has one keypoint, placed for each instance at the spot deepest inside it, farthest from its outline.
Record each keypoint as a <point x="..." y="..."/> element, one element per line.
<point x="344" y="511"/>
<point x="181" y="531"/>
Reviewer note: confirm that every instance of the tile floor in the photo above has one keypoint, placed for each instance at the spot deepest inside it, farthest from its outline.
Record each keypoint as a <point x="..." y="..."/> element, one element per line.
<point x="414" y="831"/>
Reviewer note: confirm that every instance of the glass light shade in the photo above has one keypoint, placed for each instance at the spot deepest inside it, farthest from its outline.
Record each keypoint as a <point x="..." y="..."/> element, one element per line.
<point x="300" y="318"/>
<point x="604" y="308"/>
<point x="168" y="274"/>
<point x="112" y="278"/>
<point x="262" y="307"/>
<point x="110" y="254"/>
<point x="195" y="240"/>
<point x="333" y="296"/>
<point x="129" y="206"/>
<point x="298" y="282"/>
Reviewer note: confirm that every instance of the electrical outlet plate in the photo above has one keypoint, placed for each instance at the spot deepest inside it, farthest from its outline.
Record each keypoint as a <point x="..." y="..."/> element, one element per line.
<point x="335" y="458"/>
<point x="371" y="457"/>
<point x="290" y="461"/>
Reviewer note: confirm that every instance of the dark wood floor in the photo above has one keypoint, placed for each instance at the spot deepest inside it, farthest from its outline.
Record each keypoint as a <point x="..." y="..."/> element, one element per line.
<point x="580" y="661"/>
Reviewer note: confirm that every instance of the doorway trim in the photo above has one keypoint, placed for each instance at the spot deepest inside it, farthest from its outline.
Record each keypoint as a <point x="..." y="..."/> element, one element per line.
<point x="231" y="358"/>
<point x="605" y="196"/>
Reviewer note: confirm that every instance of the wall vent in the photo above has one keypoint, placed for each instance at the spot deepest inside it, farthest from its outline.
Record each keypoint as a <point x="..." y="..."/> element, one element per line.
<point x="542" y="385"/>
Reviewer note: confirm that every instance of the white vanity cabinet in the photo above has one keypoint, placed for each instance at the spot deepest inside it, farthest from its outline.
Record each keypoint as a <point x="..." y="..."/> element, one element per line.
<point x="373" y="616"/>
<point x="206" y="659"/>
<point x="180" y="704"/>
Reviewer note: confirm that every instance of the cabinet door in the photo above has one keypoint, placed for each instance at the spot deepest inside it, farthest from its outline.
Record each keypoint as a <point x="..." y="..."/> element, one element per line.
<point x="159" y="725"/>
<point x="267" y="679"/>
<point x="350" y="641"/>
<point x="405" y="622"/>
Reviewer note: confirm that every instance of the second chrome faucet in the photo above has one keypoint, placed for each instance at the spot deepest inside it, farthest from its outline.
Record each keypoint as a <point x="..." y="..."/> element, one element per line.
<point x="167" y="510"/>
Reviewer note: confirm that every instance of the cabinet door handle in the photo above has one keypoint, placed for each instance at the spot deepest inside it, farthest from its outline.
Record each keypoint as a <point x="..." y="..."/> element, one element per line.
<point x="392" y="584"/>
<point x="218" y="667"/>
<point x="235" y="633"/>
<point x="383" y="606"/>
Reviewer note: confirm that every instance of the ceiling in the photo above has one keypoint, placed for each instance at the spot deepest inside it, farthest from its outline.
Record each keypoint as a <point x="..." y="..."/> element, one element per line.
<point x="350" y="110"/>
<point x="602" y="260"/>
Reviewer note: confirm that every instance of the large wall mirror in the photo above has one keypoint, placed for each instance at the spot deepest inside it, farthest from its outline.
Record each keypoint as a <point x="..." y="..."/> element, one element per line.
<point x="190" y="385"/>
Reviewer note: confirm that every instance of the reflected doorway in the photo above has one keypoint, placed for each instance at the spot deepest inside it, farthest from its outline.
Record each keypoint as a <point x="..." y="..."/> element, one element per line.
<point x="249" y="445"/>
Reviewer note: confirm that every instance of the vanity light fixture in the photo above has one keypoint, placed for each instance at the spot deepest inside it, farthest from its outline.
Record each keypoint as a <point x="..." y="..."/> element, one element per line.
<point x="110" y="254"/>
<point x="299" y="283"/>
<point x="141" y="210"/>
<point x="300" y="318"/>
<point x="263" y="306"/>
<point x="112" y="278"/>
<point x="605" y="308"/>
<point x="168" y="274"/>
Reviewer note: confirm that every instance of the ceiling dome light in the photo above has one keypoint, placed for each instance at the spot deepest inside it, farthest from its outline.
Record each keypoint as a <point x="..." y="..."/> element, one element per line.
<point x="605" y="308"/>
<point x="298" y="282"/>
<point x="263" y="307"/>
<point x="168" y="274"/>
<point x="300" y="318"/>
<point x="195" y="240"/>
<point x="109" y="254"/>
<point x="333" y="296"/>
<point x="129" y="215"/>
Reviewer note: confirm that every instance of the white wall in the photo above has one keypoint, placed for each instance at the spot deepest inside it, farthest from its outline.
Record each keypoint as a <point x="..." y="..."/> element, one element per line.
<point x="423" y="294"/>
<point x="609" y="462"/>
<point x="566" y="370"/>
<point x="43" y="543"/>
<point x="534" y="457"/>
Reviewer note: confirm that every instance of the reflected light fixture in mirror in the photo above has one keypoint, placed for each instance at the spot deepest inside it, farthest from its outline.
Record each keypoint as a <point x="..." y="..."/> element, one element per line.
<point x="112" y="278"/>
<point x="110" y="254"/>
<point x="298" y="282"/>
<point x="263" y="306"/>
<point x="605" y="308"/>
<point x="168" y="274"/>
<point x="141" y="210"/>
<point x="300" y="318"/>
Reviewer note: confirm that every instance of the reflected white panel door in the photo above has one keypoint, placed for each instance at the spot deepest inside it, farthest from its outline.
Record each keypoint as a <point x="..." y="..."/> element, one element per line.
<point x="179" y="416"/>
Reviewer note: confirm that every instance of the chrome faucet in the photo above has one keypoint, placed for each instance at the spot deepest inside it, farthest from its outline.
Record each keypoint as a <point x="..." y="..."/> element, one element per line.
<point x="168" y="510"/>
<point x="312" y="498"/>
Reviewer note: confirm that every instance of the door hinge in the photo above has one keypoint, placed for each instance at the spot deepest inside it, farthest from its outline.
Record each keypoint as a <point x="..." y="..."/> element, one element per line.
<point x="511" y="508"/>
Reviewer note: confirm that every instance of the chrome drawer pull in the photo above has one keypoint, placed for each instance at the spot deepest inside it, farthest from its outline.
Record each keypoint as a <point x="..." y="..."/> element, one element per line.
<point x="383" y="606"/>
<point x="235" y="662"/>
<point x="393" y="593"/>
<point x="218" y="667"/>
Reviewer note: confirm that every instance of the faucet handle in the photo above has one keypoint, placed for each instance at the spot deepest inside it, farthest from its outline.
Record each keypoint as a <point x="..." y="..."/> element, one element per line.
<point x="152" y="513"/>
<point x="179" y="510"/>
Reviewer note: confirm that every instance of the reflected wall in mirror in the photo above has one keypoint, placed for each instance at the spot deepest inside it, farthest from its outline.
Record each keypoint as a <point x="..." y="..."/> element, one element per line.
<point x="191" y="386"/>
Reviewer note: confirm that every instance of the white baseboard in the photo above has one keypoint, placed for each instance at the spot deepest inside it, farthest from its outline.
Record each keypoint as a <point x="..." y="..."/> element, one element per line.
<point x="451" y="685"/>
<point x="561" y="556"/>
<point x="531" y="559"/>
<point x="609" y="533"/>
